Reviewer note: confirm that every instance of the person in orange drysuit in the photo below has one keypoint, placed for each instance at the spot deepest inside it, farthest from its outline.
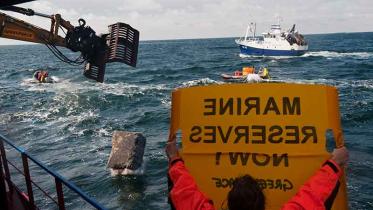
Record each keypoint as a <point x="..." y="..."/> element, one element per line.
<point x="41" y="76"/>
<point x="317" y="193"/>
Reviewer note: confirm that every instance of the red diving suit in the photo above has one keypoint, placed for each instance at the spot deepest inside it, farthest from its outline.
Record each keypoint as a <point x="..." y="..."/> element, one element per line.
<point x="41" y="76"/>
<point x="317" y="193"/>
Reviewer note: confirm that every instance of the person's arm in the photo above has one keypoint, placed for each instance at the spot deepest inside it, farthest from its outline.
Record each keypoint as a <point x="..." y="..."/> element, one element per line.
<point x="320" y="190"/>
<point x="185" y="194"/>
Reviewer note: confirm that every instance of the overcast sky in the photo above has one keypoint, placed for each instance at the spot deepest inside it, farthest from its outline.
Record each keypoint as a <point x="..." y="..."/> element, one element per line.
<point x="182" y="19"/>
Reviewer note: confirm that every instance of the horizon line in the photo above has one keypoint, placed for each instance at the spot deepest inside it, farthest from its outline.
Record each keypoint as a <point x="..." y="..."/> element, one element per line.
<point x="224" y="37"/>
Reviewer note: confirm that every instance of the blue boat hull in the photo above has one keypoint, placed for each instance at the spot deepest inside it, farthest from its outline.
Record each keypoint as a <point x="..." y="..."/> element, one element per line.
<point x="260" y="52"/>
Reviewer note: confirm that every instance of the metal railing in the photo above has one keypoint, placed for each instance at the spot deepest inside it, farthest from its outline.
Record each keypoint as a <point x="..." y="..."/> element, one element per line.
<point x="59" y="180"/>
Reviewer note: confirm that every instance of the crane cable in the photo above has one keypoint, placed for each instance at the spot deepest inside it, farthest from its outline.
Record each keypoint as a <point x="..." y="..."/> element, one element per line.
<point x="56" y="52"/>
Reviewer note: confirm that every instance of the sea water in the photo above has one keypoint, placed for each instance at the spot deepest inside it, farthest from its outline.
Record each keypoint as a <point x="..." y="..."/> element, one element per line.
<point x="68" y="125"/>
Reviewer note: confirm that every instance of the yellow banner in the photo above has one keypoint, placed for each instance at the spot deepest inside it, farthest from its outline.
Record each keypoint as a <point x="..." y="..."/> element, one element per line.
<point x="274" y="132"/>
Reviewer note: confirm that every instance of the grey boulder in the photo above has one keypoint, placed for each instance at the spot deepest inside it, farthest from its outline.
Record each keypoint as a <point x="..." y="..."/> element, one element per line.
<point x="127" y="152"/>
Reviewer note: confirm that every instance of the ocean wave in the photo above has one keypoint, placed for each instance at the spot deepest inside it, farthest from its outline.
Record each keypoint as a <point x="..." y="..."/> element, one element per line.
<point x="139" y="171"/>
<point x="333" y="54"/>
<point x="120" y="88"/>
<point x="327" y="54"/>
<point x="260" y="57"/>
<point x="200" y="82"/>
<point x="340" y="83"/>
<point x="102" y="132"/>
<point x="31" y="84"/>
<point x="368" y="84"/>
<point x="28" y="116"/>
<point x="49" y="117"/>
<point x="302" y="81"/>
<point x="130" y="89"/>
<point x="166" y="102"/>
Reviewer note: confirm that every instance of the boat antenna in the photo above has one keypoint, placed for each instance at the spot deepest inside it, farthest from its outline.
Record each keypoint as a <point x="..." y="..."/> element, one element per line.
<point x="279" y="19"/>
<point x="247" y="30"/>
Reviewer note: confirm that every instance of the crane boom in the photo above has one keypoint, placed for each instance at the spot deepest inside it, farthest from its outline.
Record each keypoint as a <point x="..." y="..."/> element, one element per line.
<point x="13" y="28"/>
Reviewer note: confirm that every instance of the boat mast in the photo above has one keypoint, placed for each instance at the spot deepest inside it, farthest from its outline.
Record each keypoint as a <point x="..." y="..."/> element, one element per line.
<point x="247" y="31"/>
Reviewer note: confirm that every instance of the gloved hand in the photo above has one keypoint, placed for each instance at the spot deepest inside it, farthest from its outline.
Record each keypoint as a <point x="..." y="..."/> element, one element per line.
<point x="171" y="147"/>
<point x="340" y="156"/>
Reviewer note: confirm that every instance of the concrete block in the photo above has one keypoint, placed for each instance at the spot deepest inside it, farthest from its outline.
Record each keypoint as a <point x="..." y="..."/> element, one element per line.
<point x="127" y="153"/>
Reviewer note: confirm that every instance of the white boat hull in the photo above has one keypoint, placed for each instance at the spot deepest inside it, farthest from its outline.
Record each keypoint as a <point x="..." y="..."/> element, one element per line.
<point x="266" y="48"/>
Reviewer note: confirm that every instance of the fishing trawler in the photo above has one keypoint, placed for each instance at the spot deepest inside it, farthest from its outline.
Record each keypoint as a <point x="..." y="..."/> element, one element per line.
<point x="273" y="43"/>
